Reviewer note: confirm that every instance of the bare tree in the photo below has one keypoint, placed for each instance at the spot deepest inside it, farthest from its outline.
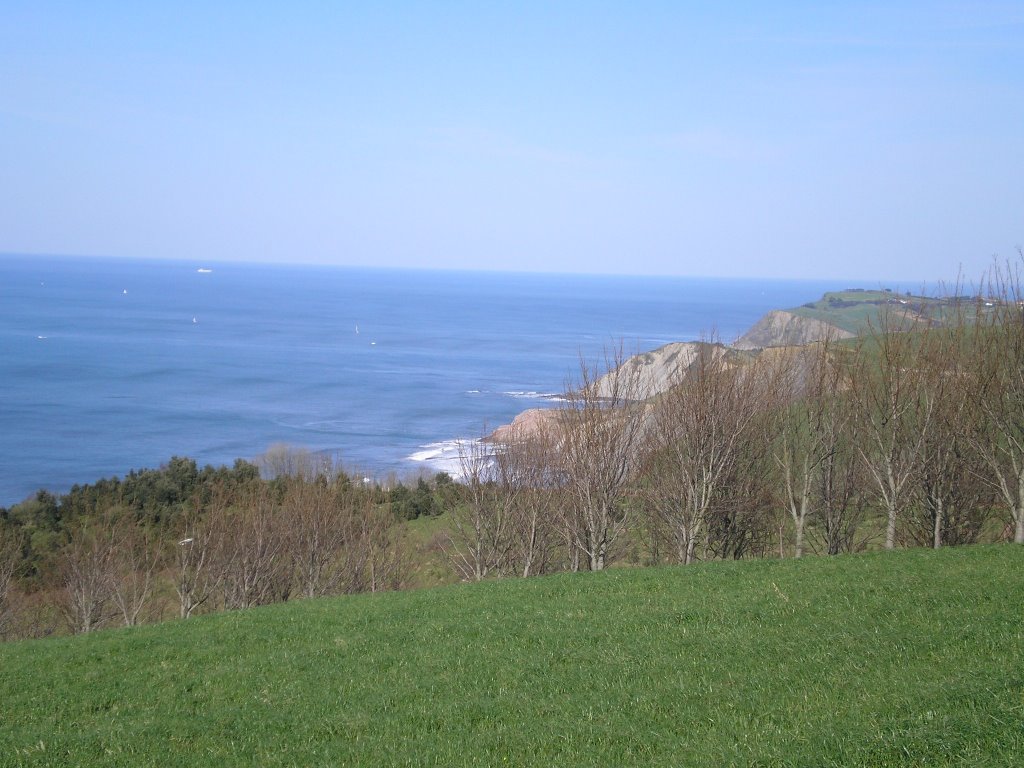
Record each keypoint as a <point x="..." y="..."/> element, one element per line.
<point x="527" y="477"/>
<point x="384" y="563"/>
<point x="839" y="482"/>
<point x="699" y="427"/>
<point x="254" y="561"/>
<point x="340" y="539"/>
<point x="816" y="448"/>
<point x="743" y="518"/>
<point x="10" y="556"/>
<point x="893" y="415"/>
<point x="797" y="451"/>
<point x="285" y="461"/>
<point x="811" y="429"/>
<point x="200" y="555"/>
<point x="84" y="570"/>
<point x="479" y="542"/>
<point x="952" y="501"/>
<point x="135" y="561"/>
<point x="997" y="377"/>
<point x="321" y="522"/>
<point x="602" y="429"/>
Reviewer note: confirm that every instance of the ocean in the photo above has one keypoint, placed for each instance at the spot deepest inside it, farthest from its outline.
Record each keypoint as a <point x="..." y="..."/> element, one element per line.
<point x="109" y="365"/>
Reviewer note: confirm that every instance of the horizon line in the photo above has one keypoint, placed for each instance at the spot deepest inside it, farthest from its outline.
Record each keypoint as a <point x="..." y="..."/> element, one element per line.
<point x="480" y="269"/>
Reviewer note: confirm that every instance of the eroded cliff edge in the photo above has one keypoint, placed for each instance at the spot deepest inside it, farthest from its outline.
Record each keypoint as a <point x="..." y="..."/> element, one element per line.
<point x="784" y="328"/>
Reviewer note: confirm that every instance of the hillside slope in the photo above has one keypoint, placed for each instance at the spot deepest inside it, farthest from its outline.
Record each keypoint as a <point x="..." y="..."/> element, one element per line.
<point x="914" y="657"/>
<point x="845" y="314"/>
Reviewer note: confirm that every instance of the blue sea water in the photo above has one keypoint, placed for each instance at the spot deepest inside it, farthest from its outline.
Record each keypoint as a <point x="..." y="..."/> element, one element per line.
<point x="108" y="365"/>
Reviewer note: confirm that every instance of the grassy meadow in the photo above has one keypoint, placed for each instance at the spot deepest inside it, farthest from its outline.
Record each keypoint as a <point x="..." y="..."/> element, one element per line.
<point x="901" y="658"/>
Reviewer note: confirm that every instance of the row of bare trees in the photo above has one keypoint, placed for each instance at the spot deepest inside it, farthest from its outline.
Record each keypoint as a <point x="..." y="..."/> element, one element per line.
<point x="942" y="419"/>
<point x="912" y="435"/>
<point x="611" y="464"/>
<point x="296" y="537"/>
<point x="505" y="520"/>
<point x="318" y="538"/>
<point x="922" y="426"/>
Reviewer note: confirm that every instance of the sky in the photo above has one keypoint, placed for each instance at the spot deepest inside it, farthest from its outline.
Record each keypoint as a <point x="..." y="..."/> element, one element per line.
<point x="789" y="139"/>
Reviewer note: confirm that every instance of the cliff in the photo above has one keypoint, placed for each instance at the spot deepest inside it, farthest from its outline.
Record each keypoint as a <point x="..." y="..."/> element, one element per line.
<point x="784" y="328"/>
<point x="527" y="424"/>
<point x="650" y="373"/>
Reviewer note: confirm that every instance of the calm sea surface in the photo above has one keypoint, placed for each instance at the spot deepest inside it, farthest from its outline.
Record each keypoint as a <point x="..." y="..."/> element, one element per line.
<point x="108" y="365"/>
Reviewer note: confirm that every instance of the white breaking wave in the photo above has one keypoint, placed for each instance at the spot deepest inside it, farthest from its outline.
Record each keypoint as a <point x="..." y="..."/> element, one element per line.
<point x="530" y="395"/>
<point x="519" y="394"/>
<point x="447" y="455"/>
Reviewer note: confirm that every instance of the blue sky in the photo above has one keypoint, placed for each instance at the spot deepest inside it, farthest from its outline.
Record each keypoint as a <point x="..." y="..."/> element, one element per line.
<point x="859" y="140"/>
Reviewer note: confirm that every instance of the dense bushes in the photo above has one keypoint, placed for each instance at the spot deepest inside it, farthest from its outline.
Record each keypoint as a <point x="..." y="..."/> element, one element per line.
<point x="177" y="540"/>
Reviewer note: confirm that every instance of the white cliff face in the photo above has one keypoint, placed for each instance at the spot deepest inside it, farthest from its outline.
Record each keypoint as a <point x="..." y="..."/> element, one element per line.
<point x="780" y="328"/>
<point x="651" y="373"/>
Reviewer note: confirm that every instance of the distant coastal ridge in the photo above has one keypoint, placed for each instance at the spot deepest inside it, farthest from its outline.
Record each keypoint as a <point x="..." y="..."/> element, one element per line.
<point x="837" y="315"/>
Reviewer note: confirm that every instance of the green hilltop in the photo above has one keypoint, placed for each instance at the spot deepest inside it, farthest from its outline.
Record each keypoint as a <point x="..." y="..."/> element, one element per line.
<point x="856" y="310"/>
<point x="907" y="658"/>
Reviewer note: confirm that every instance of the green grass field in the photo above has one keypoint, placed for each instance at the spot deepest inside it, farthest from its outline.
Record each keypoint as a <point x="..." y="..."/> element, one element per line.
<point x="860" y="311"/>
<point x="907" y="658"/>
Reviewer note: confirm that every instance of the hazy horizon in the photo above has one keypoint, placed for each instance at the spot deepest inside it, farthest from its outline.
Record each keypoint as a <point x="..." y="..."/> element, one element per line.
<point x="897" y="283"/>
<point x="797" y="140"/>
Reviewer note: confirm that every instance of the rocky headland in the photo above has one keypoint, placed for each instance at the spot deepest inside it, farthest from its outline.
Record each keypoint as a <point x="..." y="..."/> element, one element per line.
<point x="836" y="316"/>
